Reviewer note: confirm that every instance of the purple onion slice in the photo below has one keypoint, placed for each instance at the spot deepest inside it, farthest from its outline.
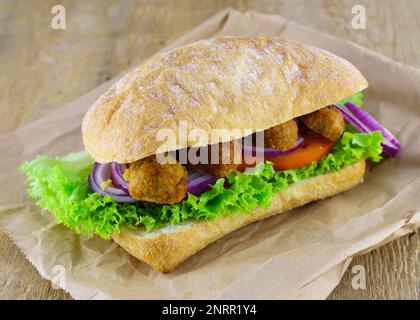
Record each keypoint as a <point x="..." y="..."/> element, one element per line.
<point x="117" y="176"/>
<point x="99" y="175"/>
<point x="364" y="122"/>
<point x="371" y="122"/>
<point x="197" y="183"/>
<point x="269" y="152"/>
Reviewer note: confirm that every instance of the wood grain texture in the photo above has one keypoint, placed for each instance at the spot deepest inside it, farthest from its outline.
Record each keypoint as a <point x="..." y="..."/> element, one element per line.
<point x="41" y="69"/>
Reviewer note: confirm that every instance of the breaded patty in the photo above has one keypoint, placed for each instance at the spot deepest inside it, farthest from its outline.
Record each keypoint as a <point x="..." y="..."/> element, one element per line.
<point x="328" y="122"/>
<point x="228" y="156"/>
<point x="282" y="137"/>
<point x="149" y="180"/>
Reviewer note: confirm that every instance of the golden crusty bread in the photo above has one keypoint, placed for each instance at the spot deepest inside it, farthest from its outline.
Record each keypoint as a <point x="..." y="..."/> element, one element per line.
<point x="223" y="83"/>
<point x="166" y="248"/>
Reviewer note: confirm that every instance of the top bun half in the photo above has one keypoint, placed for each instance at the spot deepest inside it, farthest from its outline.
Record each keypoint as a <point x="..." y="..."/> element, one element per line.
<point x="223" y="83"/>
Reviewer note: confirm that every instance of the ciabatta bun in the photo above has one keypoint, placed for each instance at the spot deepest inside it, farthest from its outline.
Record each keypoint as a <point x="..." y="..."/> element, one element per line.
<point x="166" y="248"/>
<point x="224" y="83"/>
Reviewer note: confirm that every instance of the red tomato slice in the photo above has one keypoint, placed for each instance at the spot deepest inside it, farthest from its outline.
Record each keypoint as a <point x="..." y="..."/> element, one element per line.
<point x="314" y="148"/>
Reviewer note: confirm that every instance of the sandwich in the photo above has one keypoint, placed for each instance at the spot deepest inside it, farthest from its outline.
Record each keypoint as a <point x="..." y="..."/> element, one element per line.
<point x="207" y="138"/>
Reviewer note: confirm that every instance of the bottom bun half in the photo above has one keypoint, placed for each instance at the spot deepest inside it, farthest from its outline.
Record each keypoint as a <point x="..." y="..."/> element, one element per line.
<point x="166" y="248"/>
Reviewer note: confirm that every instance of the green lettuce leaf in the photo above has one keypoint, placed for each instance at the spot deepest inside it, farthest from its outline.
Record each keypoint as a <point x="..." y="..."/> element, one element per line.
<point x="61" y="186"/>
<point x="356" y="98"/>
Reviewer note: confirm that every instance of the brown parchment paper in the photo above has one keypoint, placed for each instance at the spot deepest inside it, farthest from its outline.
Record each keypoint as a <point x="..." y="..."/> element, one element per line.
<point x="296" y="255"/>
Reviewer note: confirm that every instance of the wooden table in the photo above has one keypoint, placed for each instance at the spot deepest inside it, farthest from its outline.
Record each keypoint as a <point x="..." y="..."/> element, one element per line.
<point x="41" y="69"/>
